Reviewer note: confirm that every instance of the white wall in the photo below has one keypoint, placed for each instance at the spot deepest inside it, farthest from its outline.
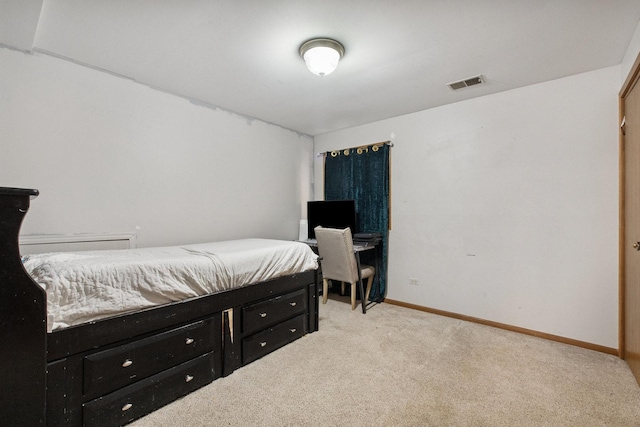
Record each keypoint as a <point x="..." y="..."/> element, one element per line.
<point x="631" y="54"/>
<point x="505" y="207"/>
<point x="112" y="156"/>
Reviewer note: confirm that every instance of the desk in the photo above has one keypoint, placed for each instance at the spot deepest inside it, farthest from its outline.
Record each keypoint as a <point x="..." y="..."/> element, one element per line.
<point x="357" y="248"/>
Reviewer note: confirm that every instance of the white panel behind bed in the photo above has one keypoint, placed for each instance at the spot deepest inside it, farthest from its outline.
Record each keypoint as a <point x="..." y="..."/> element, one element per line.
<point x="41" y="243"/>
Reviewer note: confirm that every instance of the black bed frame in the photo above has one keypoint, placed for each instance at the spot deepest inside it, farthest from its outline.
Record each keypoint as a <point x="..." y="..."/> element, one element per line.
<point x="112" y="371"/>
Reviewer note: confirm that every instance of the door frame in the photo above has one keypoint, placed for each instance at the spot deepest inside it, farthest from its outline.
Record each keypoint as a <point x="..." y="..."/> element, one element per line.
<point x="631" y="80"/>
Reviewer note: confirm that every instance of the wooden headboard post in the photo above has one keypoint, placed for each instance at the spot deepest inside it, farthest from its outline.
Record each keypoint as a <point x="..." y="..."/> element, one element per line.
<point x="23" y="326"/>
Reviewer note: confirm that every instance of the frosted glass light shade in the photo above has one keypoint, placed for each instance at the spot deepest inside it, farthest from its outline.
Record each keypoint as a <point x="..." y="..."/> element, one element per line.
<point x="321" y="60"/>
<point x="321" y="55"/>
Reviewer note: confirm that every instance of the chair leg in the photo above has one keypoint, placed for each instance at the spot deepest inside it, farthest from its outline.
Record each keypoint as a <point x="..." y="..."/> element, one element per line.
<point x="325" y="290"/>
<point x="353" y="296"/>
<point x="342" y="288"/>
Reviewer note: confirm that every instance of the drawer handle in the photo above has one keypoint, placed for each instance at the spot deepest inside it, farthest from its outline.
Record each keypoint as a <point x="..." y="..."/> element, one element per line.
<point x="293" y="304"/>
<point x="127" y="363"/>
<point x="188" y="378"/>
<point x="263" y="343"/>
<point x="127" y="407"/>
<point x="189" y="341"/>
<point x="292" y="330"/>
<point x="263" y="314"/>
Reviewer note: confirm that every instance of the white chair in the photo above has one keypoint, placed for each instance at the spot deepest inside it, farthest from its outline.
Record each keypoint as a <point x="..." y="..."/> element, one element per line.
<point x="340" y="262"/>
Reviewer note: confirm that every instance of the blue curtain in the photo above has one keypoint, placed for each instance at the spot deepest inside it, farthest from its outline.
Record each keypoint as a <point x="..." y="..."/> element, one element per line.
<point x="362" y="174"/>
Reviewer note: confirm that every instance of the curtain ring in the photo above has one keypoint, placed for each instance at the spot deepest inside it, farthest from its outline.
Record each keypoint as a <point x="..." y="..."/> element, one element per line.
<point x="375" y="148"/>
<point x="334" y="153"/>
<point x="346" y="152"/>
<point x="363" y="150"/>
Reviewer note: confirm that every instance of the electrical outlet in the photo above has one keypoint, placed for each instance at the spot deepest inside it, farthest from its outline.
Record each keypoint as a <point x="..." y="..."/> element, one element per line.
<point x="413" y="281"/>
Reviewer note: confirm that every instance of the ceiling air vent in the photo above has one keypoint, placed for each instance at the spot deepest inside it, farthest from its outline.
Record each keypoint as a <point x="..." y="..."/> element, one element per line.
<point x="471" y="81"/>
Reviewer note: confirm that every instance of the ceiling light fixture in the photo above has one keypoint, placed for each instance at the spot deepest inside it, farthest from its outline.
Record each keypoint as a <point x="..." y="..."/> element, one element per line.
<point x="321" y="55"/>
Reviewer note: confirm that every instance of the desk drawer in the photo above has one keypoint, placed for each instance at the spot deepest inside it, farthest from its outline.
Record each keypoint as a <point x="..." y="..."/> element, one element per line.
<point x="112" y="369"/>
<point x="267" y="313"/>
<point x="256" y="346"/>
<point x="134" y="401"/>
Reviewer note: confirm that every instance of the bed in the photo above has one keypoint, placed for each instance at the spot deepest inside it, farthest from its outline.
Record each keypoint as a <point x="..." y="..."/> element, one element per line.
<point x="70" y="357"/>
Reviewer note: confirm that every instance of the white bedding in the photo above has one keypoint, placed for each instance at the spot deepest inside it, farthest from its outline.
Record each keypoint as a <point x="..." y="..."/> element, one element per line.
<point x="86" y="286"/>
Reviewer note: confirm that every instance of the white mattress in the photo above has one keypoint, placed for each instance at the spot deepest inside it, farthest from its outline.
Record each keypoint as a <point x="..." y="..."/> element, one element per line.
<point x="91" y="285"/>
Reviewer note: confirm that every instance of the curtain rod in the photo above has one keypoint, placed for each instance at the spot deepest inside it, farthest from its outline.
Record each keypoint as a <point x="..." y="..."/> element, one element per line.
<point x="389" y="143"/>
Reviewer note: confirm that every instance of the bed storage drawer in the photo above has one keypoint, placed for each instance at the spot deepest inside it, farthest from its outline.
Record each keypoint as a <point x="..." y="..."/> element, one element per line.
<point x="133" y="401"/>
<point x="267" y="313"/>
<point x="265" y="342"/>
<point x="114" y="368"/>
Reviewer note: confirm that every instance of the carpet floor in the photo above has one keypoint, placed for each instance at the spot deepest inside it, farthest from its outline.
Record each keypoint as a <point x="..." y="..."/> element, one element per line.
<point x="400" y="367"/>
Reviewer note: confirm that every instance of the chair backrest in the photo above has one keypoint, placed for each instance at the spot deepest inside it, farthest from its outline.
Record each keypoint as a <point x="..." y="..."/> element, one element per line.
<point x="335" y="247"/>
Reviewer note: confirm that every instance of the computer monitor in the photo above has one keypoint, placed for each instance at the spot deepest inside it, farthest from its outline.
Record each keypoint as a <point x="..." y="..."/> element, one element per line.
<point x="331" y="214"/>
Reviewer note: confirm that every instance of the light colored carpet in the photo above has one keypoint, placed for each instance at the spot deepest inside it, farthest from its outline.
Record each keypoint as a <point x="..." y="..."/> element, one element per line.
<point x="400" y="367"/>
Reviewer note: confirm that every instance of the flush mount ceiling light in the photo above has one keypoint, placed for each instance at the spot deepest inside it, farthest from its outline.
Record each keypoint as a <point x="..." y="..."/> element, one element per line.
<point x="321" y="55"/>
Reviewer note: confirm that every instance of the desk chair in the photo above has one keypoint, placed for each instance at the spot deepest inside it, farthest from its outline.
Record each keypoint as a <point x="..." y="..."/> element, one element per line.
<point x="340" y="262"/>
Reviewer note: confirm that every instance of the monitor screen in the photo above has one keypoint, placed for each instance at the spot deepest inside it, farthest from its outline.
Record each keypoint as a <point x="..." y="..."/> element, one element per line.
<point x="331" y="214"/>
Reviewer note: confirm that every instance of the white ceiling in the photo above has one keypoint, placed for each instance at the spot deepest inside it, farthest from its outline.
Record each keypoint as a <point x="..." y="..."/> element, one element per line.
<point x="242" y="55"/>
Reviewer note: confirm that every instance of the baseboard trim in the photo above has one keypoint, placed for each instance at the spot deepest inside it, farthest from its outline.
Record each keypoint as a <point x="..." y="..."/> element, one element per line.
<point x="551" y="337"/>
